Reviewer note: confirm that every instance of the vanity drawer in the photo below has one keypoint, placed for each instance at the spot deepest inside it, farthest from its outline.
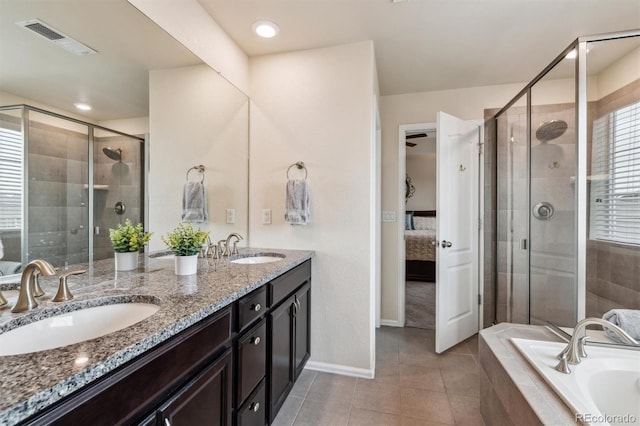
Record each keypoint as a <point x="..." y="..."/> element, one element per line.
<point x="288" y="282"/>
<point x="252" y="359"/>
<point x="253" y="412"/>
<point x="251" y="307"/>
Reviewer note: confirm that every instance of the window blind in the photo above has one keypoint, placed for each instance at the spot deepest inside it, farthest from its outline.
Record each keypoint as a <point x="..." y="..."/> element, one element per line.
<point x="615" y="177"/>
<point x="10" y="179"/>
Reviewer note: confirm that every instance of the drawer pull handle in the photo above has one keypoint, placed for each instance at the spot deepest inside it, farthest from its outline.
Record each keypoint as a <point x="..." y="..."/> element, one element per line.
<point x="256" y="307"/>
<point x="254" y="407"/>
<point x="255" y="341"/>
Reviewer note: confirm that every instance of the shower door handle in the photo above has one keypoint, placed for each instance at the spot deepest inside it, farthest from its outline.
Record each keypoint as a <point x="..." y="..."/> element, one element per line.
<point x="446" y="244"/>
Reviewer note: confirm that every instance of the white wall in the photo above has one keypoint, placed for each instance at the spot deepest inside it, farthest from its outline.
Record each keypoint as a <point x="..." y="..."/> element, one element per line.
<point x="11" y="99"/>
<point x="132" y="126"/>
<point x="421" y="169"/>
<point x="192" y="26"/>
<point x="419" y="108"/>
<point x="618" y="74"/>
<point x="196" y="117"/>
<point x="316" y="106"/>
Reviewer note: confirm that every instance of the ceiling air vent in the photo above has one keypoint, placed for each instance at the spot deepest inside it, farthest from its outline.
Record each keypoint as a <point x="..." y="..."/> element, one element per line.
<point x="58" y="38"/>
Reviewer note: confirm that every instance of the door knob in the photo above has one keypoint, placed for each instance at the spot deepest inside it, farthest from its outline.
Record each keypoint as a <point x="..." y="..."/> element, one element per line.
<point x="435" y="243"/>
<point x="446" y="243"/>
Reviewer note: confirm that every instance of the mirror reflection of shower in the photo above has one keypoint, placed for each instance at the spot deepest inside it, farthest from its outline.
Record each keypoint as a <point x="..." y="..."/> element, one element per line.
<point x="114" y="154"/>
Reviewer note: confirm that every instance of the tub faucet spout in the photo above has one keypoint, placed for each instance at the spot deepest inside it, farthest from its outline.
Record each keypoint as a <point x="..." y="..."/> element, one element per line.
<point x="575" y="349"/>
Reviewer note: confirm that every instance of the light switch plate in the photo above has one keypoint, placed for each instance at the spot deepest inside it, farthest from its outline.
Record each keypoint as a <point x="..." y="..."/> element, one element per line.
<point x="231" y="215"/>
<point x="266" y="216"/>
<point x="389" y="216"/>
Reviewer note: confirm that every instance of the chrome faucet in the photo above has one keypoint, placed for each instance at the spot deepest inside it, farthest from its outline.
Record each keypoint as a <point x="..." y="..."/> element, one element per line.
<point x="63" y="293"/>
<point x="26" y="301"/>
<point x="574" y="351"/>
<point x="234" y="251"/>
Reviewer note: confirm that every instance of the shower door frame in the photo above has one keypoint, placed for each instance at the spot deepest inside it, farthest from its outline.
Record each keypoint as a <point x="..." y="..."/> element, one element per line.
<point x="580" y="201"/>
<point x="91" y="127"/>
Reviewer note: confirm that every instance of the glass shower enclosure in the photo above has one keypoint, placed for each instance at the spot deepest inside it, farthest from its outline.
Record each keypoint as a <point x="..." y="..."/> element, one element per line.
<point x="63" y="184"/>
<point x="567" y="185"/>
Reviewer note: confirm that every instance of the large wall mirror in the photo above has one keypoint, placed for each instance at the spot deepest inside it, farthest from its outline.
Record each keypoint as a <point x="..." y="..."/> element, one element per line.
<point x="140" y="82"/>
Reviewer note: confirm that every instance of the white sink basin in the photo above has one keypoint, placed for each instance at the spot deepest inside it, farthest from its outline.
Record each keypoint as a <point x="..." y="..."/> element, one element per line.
<point x="604" y="389"/>
<point x="252" y="260"/>
<point x="73" y="327"/>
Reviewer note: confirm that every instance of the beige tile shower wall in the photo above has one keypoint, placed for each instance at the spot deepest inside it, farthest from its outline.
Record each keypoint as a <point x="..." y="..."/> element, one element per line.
<point x="115" y="181"/>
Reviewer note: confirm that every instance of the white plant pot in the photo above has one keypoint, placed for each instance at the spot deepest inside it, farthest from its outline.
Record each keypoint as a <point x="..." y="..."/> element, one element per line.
<point x="186" y="265"/>
<point x="127" y="261"/>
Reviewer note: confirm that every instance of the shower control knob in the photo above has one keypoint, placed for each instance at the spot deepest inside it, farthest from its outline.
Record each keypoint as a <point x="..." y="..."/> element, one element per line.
<point x="120" y="207"/>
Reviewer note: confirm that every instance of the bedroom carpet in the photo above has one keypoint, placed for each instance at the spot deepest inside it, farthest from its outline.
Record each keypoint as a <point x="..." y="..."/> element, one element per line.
<point x="420" y="305"/>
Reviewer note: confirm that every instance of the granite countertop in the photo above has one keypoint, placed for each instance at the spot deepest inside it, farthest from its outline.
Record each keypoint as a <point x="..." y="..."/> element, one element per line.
<point x="31" y="382"/>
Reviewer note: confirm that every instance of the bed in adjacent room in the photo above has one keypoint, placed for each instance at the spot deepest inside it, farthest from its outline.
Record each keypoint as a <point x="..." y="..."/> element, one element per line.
<point x="420" y="250"/>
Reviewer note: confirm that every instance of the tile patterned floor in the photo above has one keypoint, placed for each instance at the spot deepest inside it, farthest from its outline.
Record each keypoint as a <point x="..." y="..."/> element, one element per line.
<point x="413" y="387"/>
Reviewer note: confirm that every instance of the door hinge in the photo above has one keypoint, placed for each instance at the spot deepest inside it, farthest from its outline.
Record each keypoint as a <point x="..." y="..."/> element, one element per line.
<point x="479" y="299"/>
<point x="480" y="148"/>
<point x="479" y="224"/>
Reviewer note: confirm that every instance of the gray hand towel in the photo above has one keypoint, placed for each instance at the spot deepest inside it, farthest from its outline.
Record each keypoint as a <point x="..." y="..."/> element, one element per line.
<point x="194" y="202"/>
<point x="297" y="203"/>
<point x="626" y="319"/>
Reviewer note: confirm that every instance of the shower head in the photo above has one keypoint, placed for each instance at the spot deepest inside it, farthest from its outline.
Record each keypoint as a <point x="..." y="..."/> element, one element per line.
<point x="114" y="154"/>
<point x="550" y="130"/>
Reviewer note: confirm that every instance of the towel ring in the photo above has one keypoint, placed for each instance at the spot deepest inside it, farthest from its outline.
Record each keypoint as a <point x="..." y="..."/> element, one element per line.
<point x="199" y="168"/>
<point x="300" y="165"/>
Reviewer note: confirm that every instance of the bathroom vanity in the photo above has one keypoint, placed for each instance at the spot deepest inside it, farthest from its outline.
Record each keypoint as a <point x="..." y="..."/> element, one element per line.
<point x="226" y="347"/>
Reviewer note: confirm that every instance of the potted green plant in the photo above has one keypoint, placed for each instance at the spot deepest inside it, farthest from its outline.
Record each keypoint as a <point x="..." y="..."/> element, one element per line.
<point x="185" y="242"/>
<point x="127" y="241"/>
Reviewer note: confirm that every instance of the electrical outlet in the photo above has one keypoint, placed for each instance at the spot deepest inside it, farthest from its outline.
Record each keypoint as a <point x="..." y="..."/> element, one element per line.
<point x="266" y="216"/>
<point x="231" y="215"/>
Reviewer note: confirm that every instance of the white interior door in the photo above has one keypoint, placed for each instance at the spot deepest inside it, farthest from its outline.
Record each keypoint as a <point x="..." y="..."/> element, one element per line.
<point x="457" y="219"/>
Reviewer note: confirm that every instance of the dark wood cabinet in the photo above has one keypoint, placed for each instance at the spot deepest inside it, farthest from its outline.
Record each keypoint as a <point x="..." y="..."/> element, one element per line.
<point x="290" y="344"/>
<point x="205" y="400"/>
<point x="252" y="360"/>
<point x="235" y="367"/>
<point x="254" y="410"/>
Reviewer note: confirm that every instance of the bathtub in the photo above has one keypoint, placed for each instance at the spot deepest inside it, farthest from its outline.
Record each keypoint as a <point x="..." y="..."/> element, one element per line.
<point x="604" y="389"/>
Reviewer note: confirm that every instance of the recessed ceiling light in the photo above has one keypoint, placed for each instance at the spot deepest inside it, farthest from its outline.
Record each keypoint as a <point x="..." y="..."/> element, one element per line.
<point x="83" y="107"/>
<point x="266" y="29"/>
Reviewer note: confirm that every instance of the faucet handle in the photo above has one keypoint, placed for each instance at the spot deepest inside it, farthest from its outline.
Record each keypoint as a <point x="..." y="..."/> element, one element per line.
<point x="225" y="251"/>
<point x="63" y="289"/>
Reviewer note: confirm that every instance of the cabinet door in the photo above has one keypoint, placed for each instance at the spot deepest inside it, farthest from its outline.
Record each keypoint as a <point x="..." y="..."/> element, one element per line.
<point x="251" y="361"/>
<point x="281" y="373"/>
<point x="253" y="412"/>
<point x="302" y="321"/>
<point x="206" y="400"/>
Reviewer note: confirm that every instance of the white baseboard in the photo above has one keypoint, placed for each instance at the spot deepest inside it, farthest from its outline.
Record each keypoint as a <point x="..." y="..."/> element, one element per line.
<point x="339" y="369"/>
<point x="390" y="323"/>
